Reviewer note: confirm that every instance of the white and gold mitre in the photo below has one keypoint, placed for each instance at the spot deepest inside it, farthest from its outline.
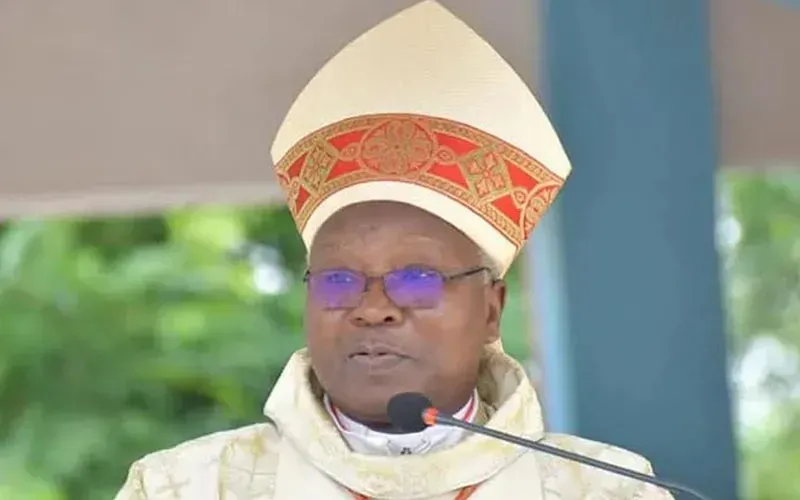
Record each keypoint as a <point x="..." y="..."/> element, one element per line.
<point x="421" y="110"/>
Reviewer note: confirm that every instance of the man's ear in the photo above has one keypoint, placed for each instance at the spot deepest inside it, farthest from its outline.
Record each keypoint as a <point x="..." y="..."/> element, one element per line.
<point x="495" y="303"/>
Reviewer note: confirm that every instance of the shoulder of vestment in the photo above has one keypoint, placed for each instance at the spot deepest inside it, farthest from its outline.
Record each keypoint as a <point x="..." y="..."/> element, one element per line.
<point x="239" y="462"/>
<point x="568" y="479"/>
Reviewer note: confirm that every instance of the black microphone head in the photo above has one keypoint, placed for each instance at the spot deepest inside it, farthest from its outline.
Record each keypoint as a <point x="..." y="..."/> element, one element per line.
<point x="405" y="411"/>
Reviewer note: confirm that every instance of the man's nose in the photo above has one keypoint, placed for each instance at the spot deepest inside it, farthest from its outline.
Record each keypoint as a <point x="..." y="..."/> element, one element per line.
<point x="376" y="308"/>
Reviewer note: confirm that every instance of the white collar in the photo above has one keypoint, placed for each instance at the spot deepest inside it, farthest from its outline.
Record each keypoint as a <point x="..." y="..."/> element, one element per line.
<point x="367" y="441"/>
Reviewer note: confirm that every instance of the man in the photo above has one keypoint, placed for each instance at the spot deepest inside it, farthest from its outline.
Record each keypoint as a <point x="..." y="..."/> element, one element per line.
<point x="416" y="164"/>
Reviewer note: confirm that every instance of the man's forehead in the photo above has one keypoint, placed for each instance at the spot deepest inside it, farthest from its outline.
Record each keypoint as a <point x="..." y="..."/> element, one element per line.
<point x="380" y="214"/>
<point x="389" y="220"/>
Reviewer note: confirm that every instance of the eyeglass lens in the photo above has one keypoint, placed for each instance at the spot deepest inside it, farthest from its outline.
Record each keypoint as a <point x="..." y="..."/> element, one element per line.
<point x="410" y="287"/>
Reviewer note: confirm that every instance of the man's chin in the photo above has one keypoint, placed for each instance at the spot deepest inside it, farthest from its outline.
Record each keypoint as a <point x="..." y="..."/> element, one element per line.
<point x="370" y="404"/>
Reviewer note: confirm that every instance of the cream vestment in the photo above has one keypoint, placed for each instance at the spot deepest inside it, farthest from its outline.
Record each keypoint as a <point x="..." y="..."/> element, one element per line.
<point x="302" y="455"/>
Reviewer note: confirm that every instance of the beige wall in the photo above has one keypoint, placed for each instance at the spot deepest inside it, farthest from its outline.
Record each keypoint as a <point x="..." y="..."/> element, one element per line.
<point x="119" y="105"/>
<point x="756" y="49"/>
<point x="110" y="105"/>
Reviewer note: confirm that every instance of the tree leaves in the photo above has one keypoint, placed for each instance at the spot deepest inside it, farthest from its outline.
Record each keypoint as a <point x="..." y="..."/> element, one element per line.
<point x="763" y="299"/>
<point x="123" y="336"/>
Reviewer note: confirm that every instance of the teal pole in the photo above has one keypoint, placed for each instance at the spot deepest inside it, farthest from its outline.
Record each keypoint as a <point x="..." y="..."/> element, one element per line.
<point x="625" y="264"/>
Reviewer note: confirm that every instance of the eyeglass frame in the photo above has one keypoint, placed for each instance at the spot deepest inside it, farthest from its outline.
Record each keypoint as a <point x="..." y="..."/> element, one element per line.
<point x="446" y="277"/>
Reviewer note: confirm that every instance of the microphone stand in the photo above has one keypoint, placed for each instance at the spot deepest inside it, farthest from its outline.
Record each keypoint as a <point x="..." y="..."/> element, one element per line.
<point x="432" y="416"/>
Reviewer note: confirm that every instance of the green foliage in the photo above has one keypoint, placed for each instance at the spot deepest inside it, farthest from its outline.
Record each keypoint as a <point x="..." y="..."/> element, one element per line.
<point x="762" y="271"/>
<point x="771" y="456"/>
<point x="764" y="266"/>
<point x="120" y="337"/>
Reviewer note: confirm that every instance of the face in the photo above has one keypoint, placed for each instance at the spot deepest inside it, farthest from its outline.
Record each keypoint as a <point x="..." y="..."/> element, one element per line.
<point x="408" y="332"/>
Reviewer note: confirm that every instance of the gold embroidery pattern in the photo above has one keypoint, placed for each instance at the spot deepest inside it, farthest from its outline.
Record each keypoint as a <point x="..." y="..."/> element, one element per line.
<point x="502" y="184"/>
<point x="487" y="176"/>
<point x="397" y="148"/>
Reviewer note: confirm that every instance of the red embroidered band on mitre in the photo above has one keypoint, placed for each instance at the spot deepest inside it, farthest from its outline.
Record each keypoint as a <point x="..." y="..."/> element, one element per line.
<point x="505" y="186"/>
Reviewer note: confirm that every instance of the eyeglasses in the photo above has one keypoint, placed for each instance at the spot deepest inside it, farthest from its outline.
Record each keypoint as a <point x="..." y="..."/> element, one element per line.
<point x="410" y="287"/>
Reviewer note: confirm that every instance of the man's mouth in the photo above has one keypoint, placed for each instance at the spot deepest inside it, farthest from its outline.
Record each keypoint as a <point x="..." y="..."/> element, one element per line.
<point x="377" y="359"/>
<point x="374" y="354"/>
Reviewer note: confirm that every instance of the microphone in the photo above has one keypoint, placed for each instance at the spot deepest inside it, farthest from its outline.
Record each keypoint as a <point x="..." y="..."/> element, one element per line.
<point x="413" y="412"/>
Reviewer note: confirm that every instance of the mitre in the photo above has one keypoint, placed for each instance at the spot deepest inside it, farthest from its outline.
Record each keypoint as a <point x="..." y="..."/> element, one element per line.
<point x="421" y="110"/>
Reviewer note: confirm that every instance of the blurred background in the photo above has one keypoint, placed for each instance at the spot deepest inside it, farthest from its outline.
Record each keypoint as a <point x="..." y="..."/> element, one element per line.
<point x="150" y="277"/>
